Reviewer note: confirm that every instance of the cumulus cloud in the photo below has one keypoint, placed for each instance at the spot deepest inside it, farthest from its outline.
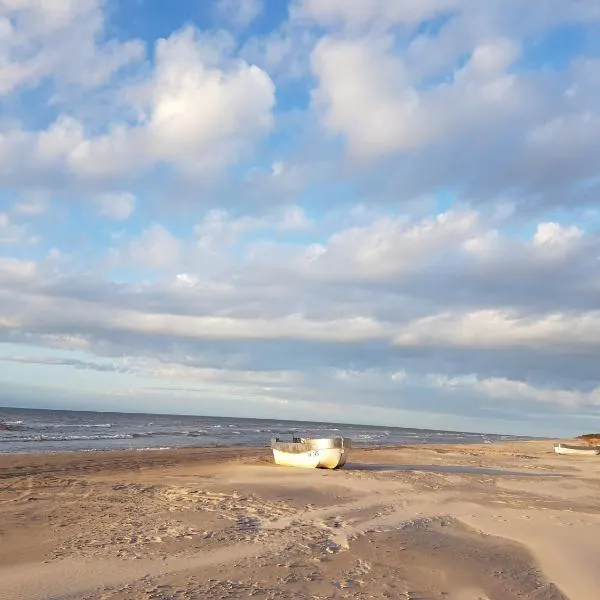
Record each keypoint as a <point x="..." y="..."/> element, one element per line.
<point x="454" y="103"/>
<point x="61" y="40"/>
<point x="200" y="113"/>
<point x="364" y="94"/>
<point x="197" y="110"/>
<point x="367" y="93"/>
<point x="388" y="246"/>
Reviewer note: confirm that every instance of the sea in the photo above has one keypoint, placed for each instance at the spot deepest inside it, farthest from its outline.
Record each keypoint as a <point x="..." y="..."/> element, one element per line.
<point x="37" y="430"/>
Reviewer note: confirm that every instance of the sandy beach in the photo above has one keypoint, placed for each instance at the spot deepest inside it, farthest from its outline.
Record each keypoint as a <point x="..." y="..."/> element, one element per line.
<point x="481" y="522"/>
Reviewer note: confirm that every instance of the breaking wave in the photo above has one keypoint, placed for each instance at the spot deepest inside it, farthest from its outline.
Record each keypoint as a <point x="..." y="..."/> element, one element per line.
<point x="42" y="437"/>
<point x="63" y="438"/>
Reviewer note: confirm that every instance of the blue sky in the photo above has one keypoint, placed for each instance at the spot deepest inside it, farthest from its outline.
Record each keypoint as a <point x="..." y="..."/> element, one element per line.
<point x="378" y="212"/>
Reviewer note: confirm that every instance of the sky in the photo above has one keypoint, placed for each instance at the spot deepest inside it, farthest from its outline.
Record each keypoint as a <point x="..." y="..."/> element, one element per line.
<point x="380" y="212"/>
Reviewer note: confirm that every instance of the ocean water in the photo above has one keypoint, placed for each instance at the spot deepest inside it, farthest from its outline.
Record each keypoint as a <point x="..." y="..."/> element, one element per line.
<point x="32" y="430"/>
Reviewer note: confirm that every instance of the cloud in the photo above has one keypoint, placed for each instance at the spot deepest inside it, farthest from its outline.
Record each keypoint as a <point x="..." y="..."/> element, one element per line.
<point x="497" y="14"/>
<point x="12" y="233"/>
<point x="387" y="246"/>
<point x="454" y="104"/>
<point x="32" y="204"/>
<point x="60" y="40"/>
<point x="14" y="269"/>
<point x="117" y="206"/>
<point x="283" y="52"/>
<point x="375" y="283"/>
<point x="362" y="95"/>
<point x="294" y="219"/>
<point x="239" y="13"/>
<point x="156" y="248"/>
<point x="521" y="391"/>
<point x="198" y="110"/>
<point x="386" y="205"/>
<point x="368" y="94"/>
<point x="199" y="113"/>
<point x="219" y="229"/>
<point x="66" y="362"/>
<point x="372" y="12"/>
<point x="489" y="328"/>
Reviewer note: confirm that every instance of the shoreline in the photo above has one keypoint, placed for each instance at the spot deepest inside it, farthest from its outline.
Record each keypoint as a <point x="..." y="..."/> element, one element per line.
<point x="57" y="431"/>
<point x="245" y="446"/>
<point x="453" y="521"/>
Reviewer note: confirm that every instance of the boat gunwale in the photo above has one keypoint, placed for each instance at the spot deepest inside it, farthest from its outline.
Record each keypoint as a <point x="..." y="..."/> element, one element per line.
<point x="575" y="449"/>
<point x="309" y="444"/>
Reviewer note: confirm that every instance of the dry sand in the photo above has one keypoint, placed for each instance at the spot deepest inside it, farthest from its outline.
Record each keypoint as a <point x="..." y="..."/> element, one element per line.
<point x="486" y="522"/>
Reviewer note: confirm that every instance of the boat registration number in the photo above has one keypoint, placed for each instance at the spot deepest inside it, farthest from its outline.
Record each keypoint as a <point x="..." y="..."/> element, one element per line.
<point x="313" y="453"/>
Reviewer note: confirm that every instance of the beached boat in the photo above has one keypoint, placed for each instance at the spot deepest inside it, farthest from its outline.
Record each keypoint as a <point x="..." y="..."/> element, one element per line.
<point x="583" y="450"/>
<point x="311" y="453"/>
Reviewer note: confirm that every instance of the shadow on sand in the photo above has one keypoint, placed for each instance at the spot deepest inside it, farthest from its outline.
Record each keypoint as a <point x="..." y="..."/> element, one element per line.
<point x="447" y="469"/>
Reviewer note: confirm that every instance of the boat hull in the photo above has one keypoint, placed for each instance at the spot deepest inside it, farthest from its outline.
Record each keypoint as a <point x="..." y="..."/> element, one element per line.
<point x="311" y="453"/>
<point x="579" y="450"/>
<point x="328" y="458"/>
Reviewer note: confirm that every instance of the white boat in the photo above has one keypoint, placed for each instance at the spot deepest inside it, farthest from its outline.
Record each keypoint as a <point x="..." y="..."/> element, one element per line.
<point x="311" y="453"/>
<point x="583" y="450"/>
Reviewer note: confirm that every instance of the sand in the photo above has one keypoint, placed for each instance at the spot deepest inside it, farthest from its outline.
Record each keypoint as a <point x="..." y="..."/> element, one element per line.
<point x="483" y="522"/>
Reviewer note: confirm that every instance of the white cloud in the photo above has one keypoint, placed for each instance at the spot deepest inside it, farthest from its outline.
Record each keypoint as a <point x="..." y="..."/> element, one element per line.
<point x="117" y="206"/>
<point x="32" y="204"/>
<point x="490" y="388"/>
<point x="277" y="168"/>
<point x="200" y="114"/>
<point x="239" y="13"/>
<point x="364" y="93"/>
<point x="59" y="39"/>
<point x="12" y="233"/>
<point x="196" y="117"/>
<point x="283" y="52"/>
<point x="13" y="269"/>
<point x="368" y="94"/>
<point x="294" y="219"/>
<point x="211" y="327"/>
<point x="178" y="372"/>
<point x="391" y="240"/>
<point x="555" y="235"/>
<point x="219" y="229"/>
<point x="520" y="391"/>
<point x="340" y="333"/>
<point x="369" y="12"/>
<point x="155" y="248"/>
<point x="501" y="14"/>
<point x="198" y="110"/>
<point x="503" y="328"/>
<point x="186" y="280"/>
<point x="387" y="246"/>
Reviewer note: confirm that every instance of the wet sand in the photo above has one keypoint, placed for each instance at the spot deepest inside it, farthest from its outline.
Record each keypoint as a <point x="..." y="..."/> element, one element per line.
<point x="481" y="522"/>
